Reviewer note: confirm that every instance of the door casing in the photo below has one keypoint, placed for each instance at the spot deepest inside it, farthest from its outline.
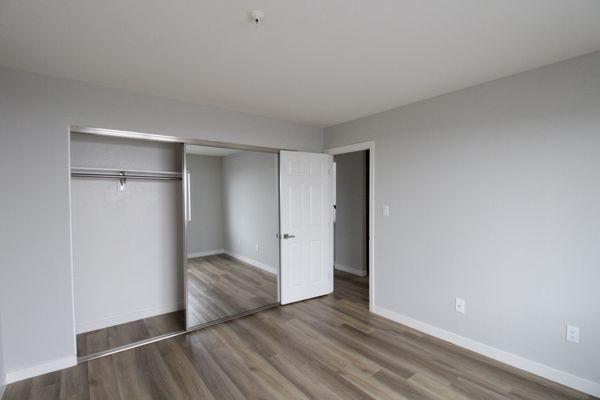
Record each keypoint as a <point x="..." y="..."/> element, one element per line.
<point x="351" y="149"/>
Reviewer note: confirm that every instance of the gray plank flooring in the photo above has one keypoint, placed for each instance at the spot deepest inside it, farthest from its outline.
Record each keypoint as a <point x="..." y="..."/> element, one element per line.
<point x="325" y="348"/>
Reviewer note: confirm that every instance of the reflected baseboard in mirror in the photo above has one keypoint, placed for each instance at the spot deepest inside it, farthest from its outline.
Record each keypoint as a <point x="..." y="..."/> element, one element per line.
<point x="220" y="286"/>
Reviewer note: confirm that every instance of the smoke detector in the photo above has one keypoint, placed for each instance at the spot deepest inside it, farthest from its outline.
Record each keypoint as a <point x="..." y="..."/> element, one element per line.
<point x="256" y="16"/>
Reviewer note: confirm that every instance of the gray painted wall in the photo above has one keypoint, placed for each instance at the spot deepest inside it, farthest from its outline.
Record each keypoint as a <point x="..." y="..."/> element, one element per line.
<point x="350" y="214"/>
<point x="35" y="253"/>
<point x="2" y="374"/>
<point x="106" y="152"/>
<point x="251" y="203"/>
<point x="205" y="230"/>
<point x="125" y="243"/>
<point x="494" y="197"/>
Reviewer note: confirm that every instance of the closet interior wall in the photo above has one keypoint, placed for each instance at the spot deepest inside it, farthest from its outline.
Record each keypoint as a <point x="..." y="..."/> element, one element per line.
<point x="127" y="245"/>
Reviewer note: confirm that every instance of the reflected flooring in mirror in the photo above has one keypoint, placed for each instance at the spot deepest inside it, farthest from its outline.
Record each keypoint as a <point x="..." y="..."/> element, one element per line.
<point x="220" y="286"/>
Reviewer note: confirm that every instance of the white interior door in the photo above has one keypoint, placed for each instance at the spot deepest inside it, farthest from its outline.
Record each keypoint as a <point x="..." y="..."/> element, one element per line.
<point x="306" y="225"/>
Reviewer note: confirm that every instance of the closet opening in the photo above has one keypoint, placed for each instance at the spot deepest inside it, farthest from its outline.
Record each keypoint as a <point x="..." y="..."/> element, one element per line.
<point x="126" y="236"/>
<point x="169" y="235"/>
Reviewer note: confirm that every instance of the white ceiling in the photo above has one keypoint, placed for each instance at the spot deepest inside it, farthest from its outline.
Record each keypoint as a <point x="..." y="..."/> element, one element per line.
<point x="210" y="151"/>
<point x="314" y="62"/>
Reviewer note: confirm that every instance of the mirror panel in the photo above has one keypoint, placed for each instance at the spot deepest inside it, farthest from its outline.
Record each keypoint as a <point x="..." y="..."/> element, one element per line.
<point x="232" y="220"/>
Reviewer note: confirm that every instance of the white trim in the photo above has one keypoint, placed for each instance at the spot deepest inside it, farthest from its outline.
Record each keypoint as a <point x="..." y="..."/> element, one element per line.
<point x="252" y="262"/>
<point x="351" y="270"/>
<point x="71" y="264"/>
<point x="371" y="147"/>
<point x="127" y="317"/>
<point x="2" y="386"/>
<point x="350" y="148"/>
<point x="205" y="253"/>
<point x="553" y="374"/>
<point x="40" y="369"/>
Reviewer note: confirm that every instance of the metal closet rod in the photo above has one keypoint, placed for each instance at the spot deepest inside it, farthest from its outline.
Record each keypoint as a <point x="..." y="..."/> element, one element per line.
<point x="105" y="173"/>
<point x="117" y="176"/>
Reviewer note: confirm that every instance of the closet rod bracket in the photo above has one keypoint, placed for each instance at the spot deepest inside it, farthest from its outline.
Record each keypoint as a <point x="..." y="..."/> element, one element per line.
<point x="122" y="181"/>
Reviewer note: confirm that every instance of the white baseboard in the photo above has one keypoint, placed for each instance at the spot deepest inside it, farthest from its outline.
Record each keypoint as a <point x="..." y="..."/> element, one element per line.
<point x="351" y="270"/>
<point x="126" y="317"/>
<point x="553" y="374"/>
<point x="41" y="369"/>
<point x="252" y="262"/>
<point x="205" y="253"/>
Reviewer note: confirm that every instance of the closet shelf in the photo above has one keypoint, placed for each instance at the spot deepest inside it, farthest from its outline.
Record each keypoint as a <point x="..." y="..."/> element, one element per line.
<point x="115" y="173"/>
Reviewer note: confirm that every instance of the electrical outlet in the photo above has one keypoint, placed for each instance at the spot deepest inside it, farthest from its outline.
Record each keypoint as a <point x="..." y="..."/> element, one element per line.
<point x="386" y="211"/>
<point x="460" y="305"/>
<point x="572" y="334"/>
<point x="257" y="248"/>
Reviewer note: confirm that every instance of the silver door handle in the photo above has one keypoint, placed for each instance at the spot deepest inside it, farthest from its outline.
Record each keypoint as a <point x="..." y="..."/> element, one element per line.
<point x="288" y="236"/>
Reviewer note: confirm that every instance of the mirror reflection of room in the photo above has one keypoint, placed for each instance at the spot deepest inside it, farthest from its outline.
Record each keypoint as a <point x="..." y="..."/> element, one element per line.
<point x="231" y="232"/>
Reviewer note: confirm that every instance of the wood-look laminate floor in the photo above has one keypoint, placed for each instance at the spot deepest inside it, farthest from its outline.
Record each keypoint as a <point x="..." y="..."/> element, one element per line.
<point x="131" y="332"/>
<point x="325" y="348"/>
<point x="220" y="286"/>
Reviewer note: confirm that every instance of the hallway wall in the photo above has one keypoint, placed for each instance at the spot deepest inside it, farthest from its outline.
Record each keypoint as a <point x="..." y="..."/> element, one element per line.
<point x="350" y="253"/>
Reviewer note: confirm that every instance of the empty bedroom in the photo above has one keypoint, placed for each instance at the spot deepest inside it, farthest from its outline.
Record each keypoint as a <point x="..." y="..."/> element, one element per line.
<point x="300" y="199"/>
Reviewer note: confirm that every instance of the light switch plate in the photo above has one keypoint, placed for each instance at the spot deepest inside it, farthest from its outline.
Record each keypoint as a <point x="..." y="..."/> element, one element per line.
<point x="386" y="211"/>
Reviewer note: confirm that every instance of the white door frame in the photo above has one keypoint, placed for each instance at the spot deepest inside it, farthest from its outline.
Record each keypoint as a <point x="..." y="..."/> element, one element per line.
<point x="350" y="149"/>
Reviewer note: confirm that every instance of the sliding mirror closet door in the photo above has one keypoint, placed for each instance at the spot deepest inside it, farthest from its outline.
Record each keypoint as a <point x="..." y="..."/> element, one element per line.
<point x="231" y="206"/>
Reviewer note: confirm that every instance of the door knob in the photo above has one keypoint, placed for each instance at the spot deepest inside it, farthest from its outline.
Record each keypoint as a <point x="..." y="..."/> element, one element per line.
<point x="288" y="236"/>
